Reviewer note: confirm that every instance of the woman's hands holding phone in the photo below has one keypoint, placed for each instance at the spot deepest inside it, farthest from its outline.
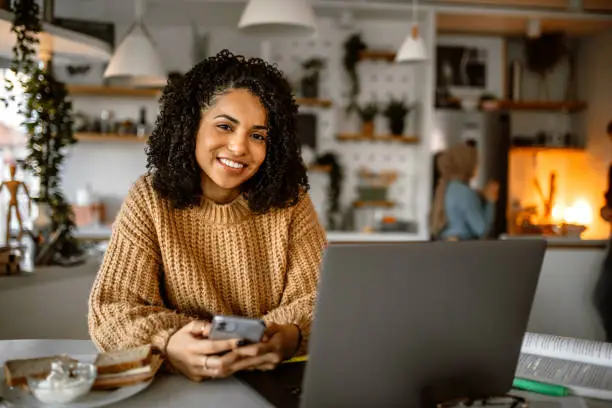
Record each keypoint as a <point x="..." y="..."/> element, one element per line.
<point x="191" y="352"/>
<point x="280" y="342"/>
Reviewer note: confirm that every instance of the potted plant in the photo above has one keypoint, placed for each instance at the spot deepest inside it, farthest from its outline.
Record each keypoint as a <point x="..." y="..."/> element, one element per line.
<point x="395" y="112"/>
<point x="310" y="81"/>
<point x="543" y="54"/>
<point x="47" y="117"/>
<point x="367" y="113"/>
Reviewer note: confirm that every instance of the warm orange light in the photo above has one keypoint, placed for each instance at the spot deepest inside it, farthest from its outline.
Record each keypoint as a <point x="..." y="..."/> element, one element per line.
<point x="579" y="213"/>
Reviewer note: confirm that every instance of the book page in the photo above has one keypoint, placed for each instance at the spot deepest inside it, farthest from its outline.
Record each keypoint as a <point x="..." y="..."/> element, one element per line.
<point x="567" y="348"/>
<point x="587" y="380"/>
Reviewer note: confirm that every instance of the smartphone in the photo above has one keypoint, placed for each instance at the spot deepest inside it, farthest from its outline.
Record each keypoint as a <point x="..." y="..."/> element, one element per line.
<point x="234" y="327"/>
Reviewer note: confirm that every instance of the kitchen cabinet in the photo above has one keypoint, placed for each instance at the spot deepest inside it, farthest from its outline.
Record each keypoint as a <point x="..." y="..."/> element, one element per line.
<point x="514" y="25"/>
<point x="597" y="5"/>
<point x="562" y="4"/>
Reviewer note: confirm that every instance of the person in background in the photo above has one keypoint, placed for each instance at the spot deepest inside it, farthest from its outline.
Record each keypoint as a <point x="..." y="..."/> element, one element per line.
<point x="458" y="212"/>
<point x="221" y="224"/>
<point x="603" y="288"/>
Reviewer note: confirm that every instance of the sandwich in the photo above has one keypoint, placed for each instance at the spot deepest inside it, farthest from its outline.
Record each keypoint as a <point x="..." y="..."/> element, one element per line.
<point x="114" y="369"/>
<point x="126" y="367"/>
<point x="17" y="372"/>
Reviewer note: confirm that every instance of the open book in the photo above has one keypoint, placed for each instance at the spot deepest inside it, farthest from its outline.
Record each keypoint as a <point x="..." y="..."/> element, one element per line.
<point x="583" y="366"/>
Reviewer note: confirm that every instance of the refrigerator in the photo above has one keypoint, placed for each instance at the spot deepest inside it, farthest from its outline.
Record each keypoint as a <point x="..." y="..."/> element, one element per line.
<point x="490" y="132"/>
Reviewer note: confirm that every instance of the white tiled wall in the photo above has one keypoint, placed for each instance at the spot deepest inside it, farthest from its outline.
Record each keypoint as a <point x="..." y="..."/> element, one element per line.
<point x="110" y="168"/>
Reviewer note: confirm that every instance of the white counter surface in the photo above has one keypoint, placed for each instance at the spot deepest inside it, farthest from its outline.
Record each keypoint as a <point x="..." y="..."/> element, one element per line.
<point x="104" y="232"/>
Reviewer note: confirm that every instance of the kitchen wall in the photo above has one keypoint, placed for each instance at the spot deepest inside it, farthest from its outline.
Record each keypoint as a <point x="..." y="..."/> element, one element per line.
<point x="110" y="168"/>
<point x="581" y="174"/>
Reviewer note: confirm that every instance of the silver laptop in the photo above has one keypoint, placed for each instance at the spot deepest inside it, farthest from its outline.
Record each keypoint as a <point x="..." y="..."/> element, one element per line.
<point x="408" y="325"/>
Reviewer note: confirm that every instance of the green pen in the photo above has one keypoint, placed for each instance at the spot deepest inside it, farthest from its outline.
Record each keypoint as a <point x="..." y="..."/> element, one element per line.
<point x="540" y="388"/>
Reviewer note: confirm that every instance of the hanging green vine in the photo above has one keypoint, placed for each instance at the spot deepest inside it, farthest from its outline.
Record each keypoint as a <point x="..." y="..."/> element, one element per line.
<point x="26" y="27"/>
<point x="335" y="187"/>
<point x="352" y="51"/>
<point x="47" y="116"/>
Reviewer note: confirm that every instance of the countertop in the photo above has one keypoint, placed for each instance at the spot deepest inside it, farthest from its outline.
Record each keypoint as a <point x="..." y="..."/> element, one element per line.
<point x="102" y="233"/>
<point x="564" y="242"/>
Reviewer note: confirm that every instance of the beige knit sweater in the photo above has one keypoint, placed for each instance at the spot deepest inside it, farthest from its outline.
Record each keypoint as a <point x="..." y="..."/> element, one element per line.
<point x="164" y="268"/>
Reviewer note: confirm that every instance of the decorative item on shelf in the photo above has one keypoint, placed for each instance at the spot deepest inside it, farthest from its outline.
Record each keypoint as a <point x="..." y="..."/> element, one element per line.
<point x="47" y="116"/>
<point x="142" y="129"/>
<point x="489" y="102"/>
<point x="367" y="113"/>
<point x="13" y="186"/>
<point x="515" y="88"/>
<point x="42" y="225"/>
<point x="334" y="191"/>
<point x="9" y="261"/>
<point x="395" y="112"/>
<point x="374" y="186"/>
<point x="543" y="54"/>
<point x="310" y="81"/>
<point x="353" y="47"/>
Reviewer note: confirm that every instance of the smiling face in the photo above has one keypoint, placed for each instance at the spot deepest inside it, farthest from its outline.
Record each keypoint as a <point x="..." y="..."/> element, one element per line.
<point x="231" y="143"/>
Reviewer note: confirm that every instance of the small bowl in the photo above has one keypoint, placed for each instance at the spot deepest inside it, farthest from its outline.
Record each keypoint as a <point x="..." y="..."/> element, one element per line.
<point x="82" y="377"/>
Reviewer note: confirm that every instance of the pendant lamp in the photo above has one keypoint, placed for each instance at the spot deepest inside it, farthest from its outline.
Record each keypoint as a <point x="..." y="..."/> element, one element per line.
<point x="278" y="18"/>
<point x="136" y="57"/>
<point x="413" y="47"/>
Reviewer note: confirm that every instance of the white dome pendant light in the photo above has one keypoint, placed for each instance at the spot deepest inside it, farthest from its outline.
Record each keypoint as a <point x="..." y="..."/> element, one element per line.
<point x="278" y="18"/>
<point x="135" y="57"/>
<point x="413" y="48"/>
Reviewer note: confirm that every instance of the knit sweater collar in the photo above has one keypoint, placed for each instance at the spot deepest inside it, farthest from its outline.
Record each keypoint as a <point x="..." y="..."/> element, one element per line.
<point x="228" y="213"/>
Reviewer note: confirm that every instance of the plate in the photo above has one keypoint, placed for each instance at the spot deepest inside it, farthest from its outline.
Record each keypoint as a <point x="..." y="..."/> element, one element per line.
<point x="17" y="397"/>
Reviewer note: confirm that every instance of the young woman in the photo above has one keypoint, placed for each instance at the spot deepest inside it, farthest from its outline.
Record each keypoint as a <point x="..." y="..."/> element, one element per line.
<point x="220" y="224"/>
<point x="458" y="212"/>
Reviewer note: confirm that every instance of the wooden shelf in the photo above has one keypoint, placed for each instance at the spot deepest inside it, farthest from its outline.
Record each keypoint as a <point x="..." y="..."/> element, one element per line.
<point x="117" y="91"/>
<point x="537" y="149"/>
<point x="108" y="137"/>
<point x="380" y="204"/>
<point x="377" y="55"/>
<point x="100" y="90"/>
<point x="378" y="138"/>
<point x="323" y="103"/>
<point x="320" y="168"/>
<point x="541" y="106"/>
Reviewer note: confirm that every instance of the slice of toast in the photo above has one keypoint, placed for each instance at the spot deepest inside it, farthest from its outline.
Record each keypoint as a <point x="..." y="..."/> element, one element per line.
<point x="128" y="377"/>
<point x="124" y="360"/>
<point x="17" y="371"/>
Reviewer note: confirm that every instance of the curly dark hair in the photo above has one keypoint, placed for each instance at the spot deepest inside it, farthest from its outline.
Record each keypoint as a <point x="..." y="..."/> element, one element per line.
<point x="171" y="160"/>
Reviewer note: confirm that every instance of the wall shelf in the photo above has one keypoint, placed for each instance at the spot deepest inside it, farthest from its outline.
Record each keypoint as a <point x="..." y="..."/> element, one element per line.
<point x="118" y="91"/>
<point x="377" y="55"/>
<point x="108" y="137"/>
<point x="538" y="149"/>
<point x="550" y="106"/>
<point x="345" y="137"/>
<point x="369" y="204"/>
<point x="100" y="90"/>
<point x="320" y="168"/>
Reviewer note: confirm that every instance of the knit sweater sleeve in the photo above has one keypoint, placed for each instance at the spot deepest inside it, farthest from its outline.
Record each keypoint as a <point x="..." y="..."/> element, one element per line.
<point x="307" y="241"/>
<point x="126" y="308"/>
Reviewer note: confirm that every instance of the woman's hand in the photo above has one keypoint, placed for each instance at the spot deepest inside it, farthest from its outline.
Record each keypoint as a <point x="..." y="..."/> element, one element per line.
<point x="195" y="356"/>
<point x="491" y="191"/>
<point x="280" y="342"/>
<point x="606" y="213"/>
